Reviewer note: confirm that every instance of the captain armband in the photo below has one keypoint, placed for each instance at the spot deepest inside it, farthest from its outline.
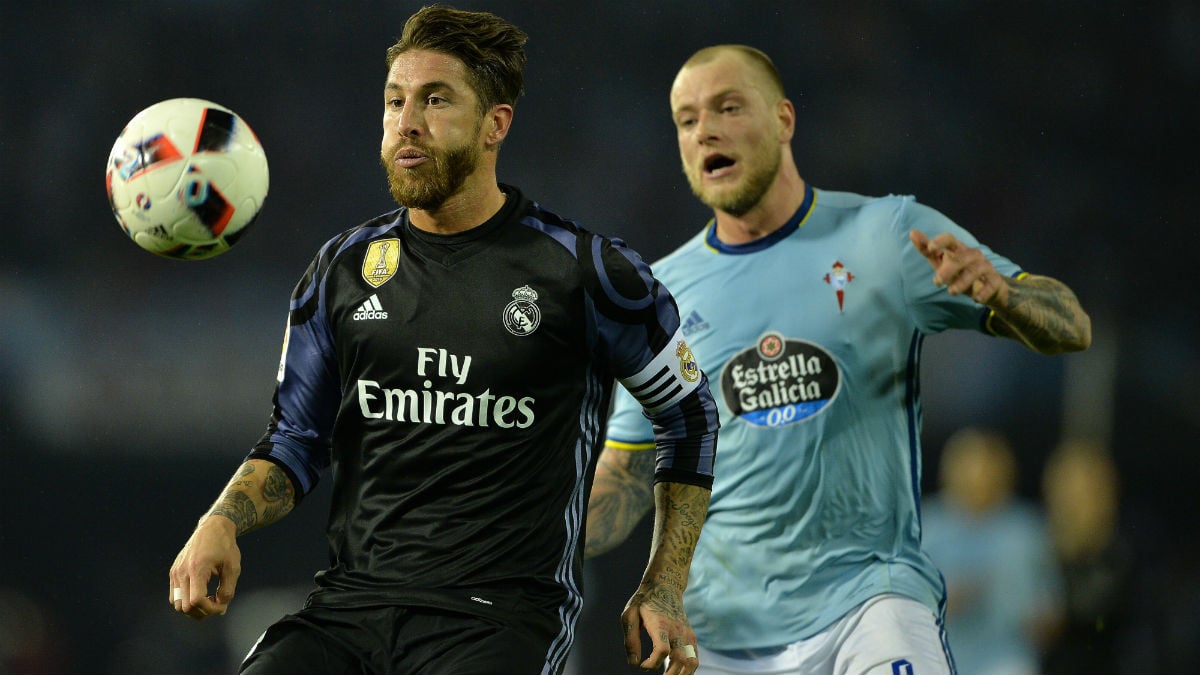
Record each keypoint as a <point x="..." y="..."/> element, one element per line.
<point x="667" y="379"/>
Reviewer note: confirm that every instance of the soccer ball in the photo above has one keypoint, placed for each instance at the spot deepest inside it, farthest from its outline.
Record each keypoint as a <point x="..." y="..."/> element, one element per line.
<point x="186" y="178"/>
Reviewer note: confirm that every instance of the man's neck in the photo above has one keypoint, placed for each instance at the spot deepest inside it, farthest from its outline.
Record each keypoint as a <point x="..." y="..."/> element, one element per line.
<point x="771" y="213"/>
<point x="468" y="208"/>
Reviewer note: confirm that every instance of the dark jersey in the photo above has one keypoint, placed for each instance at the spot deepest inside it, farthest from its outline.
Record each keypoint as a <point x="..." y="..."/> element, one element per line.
<point x="458" y="386"/>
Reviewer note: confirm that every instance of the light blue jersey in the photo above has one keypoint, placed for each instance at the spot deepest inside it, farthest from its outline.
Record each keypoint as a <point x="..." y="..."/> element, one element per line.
<point x="811" y="338"/>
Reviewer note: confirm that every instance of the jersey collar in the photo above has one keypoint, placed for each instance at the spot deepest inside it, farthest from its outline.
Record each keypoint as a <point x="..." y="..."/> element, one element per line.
<point x="793" y="224"/>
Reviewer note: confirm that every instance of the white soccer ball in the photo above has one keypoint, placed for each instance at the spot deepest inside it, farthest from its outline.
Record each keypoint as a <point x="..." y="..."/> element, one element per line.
<point x="186" y="178"/>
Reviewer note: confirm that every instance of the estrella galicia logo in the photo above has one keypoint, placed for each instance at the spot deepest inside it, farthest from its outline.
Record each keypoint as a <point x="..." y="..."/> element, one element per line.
<point x="522" y="315"/>
<point x="780" y="381"/>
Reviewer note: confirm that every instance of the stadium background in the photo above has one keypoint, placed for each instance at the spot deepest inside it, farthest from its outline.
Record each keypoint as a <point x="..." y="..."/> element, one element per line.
<point x="1061" y="133"/>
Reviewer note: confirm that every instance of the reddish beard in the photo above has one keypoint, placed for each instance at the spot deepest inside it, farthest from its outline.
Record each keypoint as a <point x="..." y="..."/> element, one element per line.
<point x="428" y="185"/>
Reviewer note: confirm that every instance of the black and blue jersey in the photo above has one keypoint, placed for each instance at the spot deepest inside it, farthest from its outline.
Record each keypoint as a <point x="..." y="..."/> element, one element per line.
<point x="458" y="386"/>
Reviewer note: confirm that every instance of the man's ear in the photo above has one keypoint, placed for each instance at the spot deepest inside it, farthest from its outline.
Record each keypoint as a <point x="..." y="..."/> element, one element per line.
<point x="785" y="112"/>
<point x="497" y="124"/>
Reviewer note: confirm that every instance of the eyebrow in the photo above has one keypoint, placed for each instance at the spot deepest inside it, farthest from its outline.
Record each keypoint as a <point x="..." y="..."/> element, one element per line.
<point x="719" y="96"/>
<point x="726" y="93"/>
<point x="428" y="86"/>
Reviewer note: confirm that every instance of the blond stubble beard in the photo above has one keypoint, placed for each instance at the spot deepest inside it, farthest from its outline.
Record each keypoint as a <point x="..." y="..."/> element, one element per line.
<point x="744" y="197"/>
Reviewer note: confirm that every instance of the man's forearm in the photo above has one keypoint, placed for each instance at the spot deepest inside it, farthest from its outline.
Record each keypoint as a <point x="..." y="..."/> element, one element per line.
<point x="621" y="497"/>
<point x="259" y="494"/>
<point x="1044" y="315"/>
<point x="680" y="511"/>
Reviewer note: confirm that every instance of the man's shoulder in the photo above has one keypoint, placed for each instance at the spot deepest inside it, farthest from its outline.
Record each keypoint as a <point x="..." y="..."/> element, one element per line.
<point x="564" y="231"/>
<point x="899" y="212"/>
<point x="383" y="226"/>
<point x="846" y="201"/>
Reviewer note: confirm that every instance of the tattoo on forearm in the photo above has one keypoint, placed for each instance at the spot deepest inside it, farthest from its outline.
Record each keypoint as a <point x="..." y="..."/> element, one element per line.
<point x="689" y="514"/>
<point x="278" y="494"/>
<point x="1044" y="314"/>
<point x="684" y="509"/>
<point x="236" y="503"/>
<point x="238" y="507"/>
<point x="1048" y="315"/>
<point x="241" y="479"/>
<point x="619" y="500"/>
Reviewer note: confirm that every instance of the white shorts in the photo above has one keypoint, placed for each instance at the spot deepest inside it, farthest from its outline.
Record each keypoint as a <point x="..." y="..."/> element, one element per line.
<point x="886" y="635"/>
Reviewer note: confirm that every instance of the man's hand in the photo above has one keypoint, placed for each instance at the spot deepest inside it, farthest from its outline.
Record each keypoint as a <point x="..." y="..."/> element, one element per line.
<point x="1039" y="312"/>
<point x="212" y="550"/>
<point x="657" y="606"/>
<point x="658" y="609"/>
<point x="961" y="269"/>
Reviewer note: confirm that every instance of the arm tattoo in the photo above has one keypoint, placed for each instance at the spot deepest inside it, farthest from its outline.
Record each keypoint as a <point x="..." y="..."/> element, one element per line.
<point x="1045" y="315"/>
<point x="279" y="495"/>
<point x="238" y="507"/>
<point x="665" y="599"/>
<point x="621" y="496"/>
<point x="237" y="503"/>
<point x="660" y="598"/>
<point x="683" y="537"/>
<point x="242" y="478"/>
<point x="681" y="512"/>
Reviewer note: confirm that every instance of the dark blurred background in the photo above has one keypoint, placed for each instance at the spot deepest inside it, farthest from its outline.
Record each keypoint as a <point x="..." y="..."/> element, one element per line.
<point x="1061" y="133"/>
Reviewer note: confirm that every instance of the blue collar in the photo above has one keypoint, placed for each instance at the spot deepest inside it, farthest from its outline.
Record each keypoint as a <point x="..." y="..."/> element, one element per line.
<point x="793" y="224"/>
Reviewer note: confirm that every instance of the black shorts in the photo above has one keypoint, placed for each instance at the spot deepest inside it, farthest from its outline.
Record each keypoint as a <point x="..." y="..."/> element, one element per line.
<point x="400" y="641"/>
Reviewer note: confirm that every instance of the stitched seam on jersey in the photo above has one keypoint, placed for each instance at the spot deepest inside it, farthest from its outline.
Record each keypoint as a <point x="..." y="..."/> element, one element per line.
<point x="570" y="610"/>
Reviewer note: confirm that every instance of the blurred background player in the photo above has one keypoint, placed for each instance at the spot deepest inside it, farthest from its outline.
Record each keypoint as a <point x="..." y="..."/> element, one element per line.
<point x="1003" y="589"/>
<point x="809" y="309"/>
<point x="452" y="360"/>
<point x="1080" y="487"/>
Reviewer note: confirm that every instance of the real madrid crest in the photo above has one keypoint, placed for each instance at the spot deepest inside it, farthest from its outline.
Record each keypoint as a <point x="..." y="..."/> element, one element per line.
<point x="522" y="316"/>
<point x="688" y="367"/>
<point x="381" y="261"/>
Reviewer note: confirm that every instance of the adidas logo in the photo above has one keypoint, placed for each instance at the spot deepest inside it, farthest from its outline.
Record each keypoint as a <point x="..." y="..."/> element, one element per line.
<point x="371" y="309"/>
<point x="693" y="324"/>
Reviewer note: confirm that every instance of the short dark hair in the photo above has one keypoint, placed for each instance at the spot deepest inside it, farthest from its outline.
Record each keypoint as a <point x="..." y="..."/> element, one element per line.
<point x="491" y="48"/>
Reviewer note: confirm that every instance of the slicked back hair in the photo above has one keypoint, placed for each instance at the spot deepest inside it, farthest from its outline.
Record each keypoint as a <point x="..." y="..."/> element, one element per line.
<point x="492" y="49"/>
